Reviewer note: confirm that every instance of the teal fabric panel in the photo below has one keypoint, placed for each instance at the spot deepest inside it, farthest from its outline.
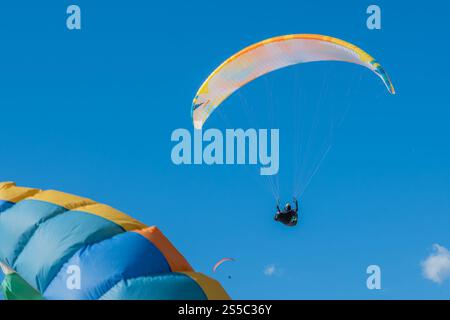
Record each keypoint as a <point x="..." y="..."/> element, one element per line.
<point x="18" y="223"/>
<point x="56" y="241"/>
<point x="171" y="286"/>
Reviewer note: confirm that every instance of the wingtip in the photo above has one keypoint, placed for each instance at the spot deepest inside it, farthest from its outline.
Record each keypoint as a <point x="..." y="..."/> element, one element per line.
<point x="198" y="124"/>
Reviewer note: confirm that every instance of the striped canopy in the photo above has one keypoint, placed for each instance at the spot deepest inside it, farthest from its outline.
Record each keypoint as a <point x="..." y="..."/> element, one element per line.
<point x="46" y="235"/>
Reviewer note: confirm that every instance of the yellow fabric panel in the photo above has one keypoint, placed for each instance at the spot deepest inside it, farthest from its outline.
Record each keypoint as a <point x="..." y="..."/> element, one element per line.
<point x="210" y="287"/>
<point x="10" y="192"/>
<point x="173" y="257"/>
<point x="72" y="202"/>
<point x="68" y="201"/>
<point x="116" y="216"/>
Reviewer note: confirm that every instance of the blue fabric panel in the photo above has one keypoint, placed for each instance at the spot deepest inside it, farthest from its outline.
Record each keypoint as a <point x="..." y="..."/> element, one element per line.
<point x="18" y="223"/>
<point x="171" y="286"/>
<point x="101" y="266"/>
<point x="56" y="241"/>
<point x="5" y="205"/>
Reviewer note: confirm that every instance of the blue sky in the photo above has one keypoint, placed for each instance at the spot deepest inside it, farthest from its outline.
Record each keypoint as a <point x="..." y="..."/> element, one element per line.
<point x="91" y="112"/>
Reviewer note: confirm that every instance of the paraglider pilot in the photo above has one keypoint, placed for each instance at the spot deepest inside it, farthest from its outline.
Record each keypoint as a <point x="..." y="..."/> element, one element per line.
<point x="288" y="216"/>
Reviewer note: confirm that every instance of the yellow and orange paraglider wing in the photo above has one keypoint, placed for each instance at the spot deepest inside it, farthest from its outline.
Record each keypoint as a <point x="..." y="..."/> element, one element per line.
<point x="273" y="54"/>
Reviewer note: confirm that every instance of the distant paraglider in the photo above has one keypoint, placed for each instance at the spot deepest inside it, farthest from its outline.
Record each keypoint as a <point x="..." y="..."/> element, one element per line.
<point x="220" y="262"/>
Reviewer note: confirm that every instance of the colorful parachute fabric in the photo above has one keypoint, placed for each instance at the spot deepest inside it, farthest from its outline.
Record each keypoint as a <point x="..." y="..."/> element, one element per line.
<point x="14" y="287"/>
<point x="46" y="235"/>
<point x="273" y="54"/>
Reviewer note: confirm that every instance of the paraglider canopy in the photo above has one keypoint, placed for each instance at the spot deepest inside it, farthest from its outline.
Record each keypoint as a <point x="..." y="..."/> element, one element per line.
<point x="273" y="54"/>
<point x="220" y="262"/>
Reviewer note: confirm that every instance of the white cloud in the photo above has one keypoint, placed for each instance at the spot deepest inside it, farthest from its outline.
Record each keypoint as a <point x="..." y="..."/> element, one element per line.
<point x="270" y="270"/>
<point x="437" y="266"/>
